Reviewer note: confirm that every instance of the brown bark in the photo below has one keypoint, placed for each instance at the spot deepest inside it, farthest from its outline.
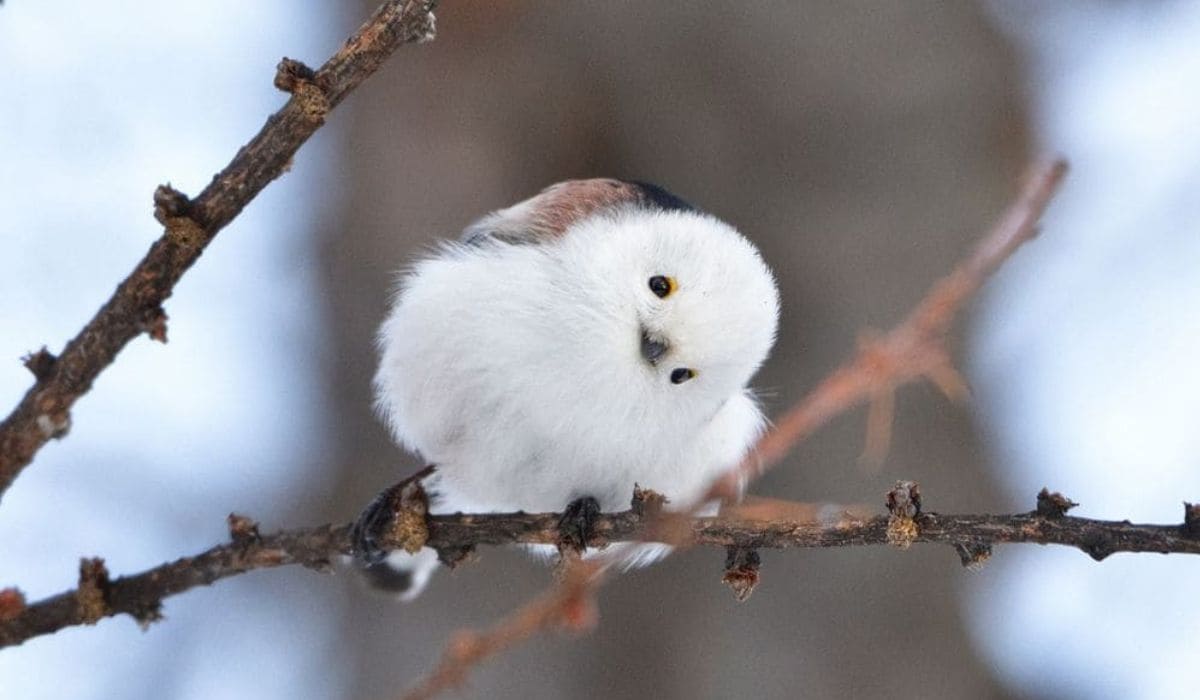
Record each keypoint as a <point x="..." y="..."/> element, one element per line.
<point x="972" y="536"/>
<point x="190" y="225"/>
<point x="571" y="603"/>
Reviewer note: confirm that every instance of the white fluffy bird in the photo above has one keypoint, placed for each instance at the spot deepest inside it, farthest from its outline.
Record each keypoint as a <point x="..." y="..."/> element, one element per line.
<point x="596" y="336"/>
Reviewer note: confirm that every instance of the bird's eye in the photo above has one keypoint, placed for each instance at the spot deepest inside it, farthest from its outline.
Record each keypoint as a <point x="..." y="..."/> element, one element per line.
<point x="662" y="286"/>
<point x="679" y="375"/>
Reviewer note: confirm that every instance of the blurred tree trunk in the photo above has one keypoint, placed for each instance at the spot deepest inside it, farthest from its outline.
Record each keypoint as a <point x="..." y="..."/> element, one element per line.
<point x="863" y="150"/>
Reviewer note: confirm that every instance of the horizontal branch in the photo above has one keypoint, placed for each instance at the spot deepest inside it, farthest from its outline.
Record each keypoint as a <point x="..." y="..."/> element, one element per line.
<point x="1098" y="538"/>
<point x="972" y="536"/>
<point x="136" y="306"/>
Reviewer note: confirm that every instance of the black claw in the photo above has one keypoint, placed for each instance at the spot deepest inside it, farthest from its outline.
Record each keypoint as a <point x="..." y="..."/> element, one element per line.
<point x="378" y="517"/>
<point x="374" y="521"/>
<point x="577" y="525"/>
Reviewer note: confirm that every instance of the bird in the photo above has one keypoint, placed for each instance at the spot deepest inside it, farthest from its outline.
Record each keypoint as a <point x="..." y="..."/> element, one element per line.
<point x="597" y="336"/>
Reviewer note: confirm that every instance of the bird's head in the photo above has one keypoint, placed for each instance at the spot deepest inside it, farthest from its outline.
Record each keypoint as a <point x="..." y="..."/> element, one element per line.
<point x="687" y="307"/>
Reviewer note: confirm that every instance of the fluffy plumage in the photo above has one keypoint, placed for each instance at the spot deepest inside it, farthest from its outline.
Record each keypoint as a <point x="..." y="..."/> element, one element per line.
<point x="515" y="361"/>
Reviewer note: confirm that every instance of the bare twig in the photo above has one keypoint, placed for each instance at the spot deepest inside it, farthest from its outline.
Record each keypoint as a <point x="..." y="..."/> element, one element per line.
<point x="136" y="306"/>
<point x="141" y="595"/>
<point x="569" y="604"/>
<point x="972" y="536"/>
<point x="913" y="350"/>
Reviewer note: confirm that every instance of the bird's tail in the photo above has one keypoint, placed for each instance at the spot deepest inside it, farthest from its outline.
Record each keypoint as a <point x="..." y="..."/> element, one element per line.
<point x="401" y="573"/>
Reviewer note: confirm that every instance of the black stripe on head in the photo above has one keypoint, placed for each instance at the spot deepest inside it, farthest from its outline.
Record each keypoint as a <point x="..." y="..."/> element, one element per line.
<point x="655" y="196"/>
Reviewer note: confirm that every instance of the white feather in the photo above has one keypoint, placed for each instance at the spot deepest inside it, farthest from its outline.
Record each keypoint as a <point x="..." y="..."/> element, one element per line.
<point x="517" y="369"/>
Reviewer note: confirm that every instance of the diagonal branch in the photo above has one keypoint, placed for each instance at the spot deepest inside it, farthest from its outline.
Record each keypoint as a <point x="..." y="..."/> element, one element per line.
<point x="972" y="536"/>
<point x="141" y="595"/>
<point x="916" y="348"/>
<point x="190" y="225"/>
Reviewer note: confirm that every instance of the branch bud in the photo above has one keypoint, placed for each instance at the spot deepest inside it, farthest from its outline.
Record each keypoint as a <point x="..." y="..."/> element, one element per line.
<point x="1053" y="505"/>
<point x="904" y="506"/>
<point x="92" y="594"/>
<point x="741" y="571"/>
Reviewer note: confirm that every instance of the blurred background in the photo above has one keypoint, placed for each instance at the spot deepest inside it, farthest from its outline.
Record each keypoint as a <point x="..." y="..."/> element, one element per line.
<point x="864" y="147"/>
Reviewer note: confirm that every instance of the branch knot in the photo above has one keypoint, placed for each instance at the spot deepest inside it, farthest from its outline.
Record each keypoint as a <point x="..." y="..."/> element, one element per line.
<point x="305" y="86"/>
<point x="1191" y="520"/>
<point x="12" y="603"/>
<point x="289" y="73"/>
<point x="1053" y="505"/>
<point x="973" y="555"/>
<point x="54" y="424"/>
<point x="646" y="503"/>
<point x="170" y="203"/>
<point x="422" y="26"/>
<point x="408" y="528"/>
<point x="92" y="594"/>
<point x="904" y="505"/>
<point x="173" y="210"/>
<point x="741" y="571"/>
<point x="154" y="323"/>
<point x="243" y="531"/>
<point x="41" y="363"/>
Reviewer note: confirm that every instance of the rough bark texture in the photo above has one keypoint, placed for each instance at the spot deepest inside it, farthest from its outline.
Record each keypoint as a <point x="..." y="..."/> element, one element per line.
<point x="141" y="595"/>
<point x="136" y="306"/>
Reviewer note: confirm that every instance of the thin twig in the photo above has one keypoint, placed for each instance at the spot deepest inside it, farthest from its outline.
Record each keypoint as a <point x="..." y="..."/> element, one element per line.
<point x="916" y="348"/>
<point x="567" y="604"/>
<point x="190" y="225"/>
<point x="141" y="595"/>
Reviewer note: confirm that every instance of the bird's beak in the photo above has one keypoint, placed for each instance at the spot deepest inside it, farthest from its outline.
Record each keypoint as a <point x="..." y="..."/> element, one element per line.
<point x="652" y="349"/>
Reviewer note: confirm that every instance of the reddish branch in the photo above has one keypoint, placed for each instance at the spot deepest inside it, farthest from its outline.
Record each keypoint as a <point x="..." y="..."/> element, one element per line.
<point x="568" y="603"/>
<point x="916" y="348"/>
<point x="190" y="225"/>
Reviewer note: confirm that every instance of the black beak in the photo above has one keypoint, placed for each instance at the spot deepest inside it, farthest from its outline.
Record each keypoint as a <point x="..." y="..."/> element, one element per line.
<point x="652" y="350"/>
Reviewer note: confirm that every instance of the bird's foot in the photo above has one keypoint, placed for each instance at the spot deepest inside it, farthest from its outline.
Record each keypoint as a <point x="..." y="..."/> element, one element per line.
<point x="371" y="525"/>
<point x="577" y="525"/>
<point x="379" y="518"/>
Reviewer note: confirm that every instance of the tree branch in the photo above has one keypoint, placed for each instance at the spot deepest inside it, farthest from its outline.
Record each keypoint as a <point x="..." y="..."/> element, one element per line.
<point x="453" y="536"/>
<point x="190" y="225"/>
<point x="570" y="604"/>
<point x="916" y="348"/>
<point x="141" y="595"/>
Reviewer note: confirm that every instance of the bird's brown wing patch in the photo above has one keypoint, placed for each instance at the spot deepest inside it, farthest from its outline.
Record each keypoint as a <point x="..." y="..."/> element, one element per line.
<point x="555" y="209"/>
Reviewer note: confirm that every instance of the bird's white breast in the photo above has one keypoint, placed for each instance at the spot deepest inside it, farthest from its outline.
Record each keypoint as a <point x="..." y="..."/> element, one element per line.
<point x="515" y="370"/>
